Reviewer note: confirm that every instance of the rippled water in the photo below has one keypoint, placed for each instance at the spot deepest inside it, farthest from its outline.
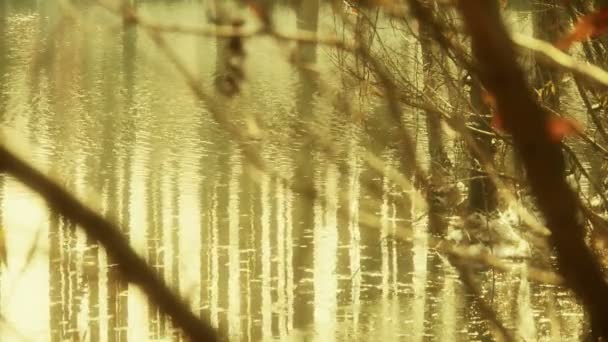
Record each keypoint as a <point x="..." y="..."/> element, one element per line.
<point x="259" y="261"/>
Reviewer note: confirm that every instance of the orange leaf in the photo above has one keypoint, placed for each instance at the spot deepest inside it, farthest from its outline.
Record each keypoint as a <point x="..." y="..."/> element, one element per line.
<point x="257" y="9"/>
<point x="590" y="25"/>
<point x="558" y="128"/>
<point x="490" y="101"/>
<point x="496" y="122"/>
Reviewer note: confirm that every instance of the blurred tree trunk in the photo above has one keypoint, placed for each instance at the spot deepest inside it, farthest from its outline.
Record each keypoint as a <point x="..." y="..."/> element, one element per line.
<point x="205" y="207"/>
<point x="55" y="282"/>
<point x="482" y="191"/>
<point x="127" y="132"/>
<point x="307" y="20"/>
<point x="48" y="20"/>
<point x="206" y="184"/>
<point x="72" y="283"/>
<point x="246" y="245"/>
<point x="46" y="74"/>
<point x="90" y="260"/>
<point x="225" y="14"/>
<point x="175" y="231"/>
<point x="91" y="279"/>
<point x="123" y="286"/>
<point x="439" y="162"/>
<point x="129" y="47"/>
<point x="214" y="267"/>
<point x="382" y="142"/>
<point x="3" y="58"/>
<point x="109" y="177"/>
<point x="235" y="236"/>
<point x="439" y="166"/>
<point x="161" y="319"/>
<point x="152" y="242"/>
<point x="227" y="74"/>
<point x="222" y="236"/>
<point x="3" y="100"/>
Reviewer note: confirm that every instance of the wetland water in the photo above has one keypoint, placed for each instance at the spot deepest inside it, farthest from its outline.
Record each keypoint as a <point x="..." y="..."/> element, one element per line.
<point x="259" y="261"/>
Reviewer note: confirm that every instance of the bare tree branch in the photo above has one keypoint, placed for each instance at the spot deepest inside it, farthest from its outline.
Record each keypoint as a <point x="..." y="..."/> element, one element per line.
<point x="557" y="57"/>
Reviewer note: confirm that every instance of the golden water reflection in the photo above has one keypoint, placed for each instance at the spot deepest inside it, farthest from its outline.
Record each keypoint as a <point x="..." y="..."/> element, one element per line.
<point x="225" y="241"/>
